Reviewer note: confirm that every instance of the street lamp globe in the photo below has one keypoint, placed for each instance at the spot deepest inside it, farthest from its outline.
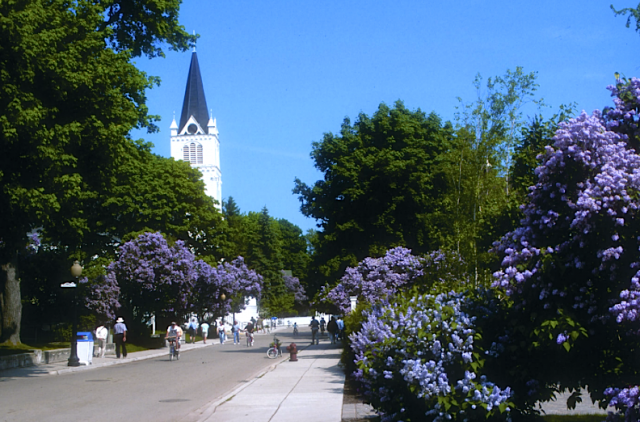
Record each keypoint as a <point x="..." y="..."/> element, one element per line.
<point x="76" y="269"/>
<point x="222" y="296"/>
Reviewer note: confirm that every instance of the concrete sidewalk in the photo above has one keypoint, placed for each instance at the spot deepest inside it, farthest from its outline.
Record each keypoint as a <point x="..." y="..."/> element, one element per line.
<point x="310" y="389"/>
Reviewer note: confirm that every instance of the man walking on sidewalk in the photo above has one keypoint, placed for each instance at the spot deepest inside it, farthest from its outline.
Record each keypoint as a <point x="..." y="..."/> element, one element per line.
<point x="120" y="337"/>
<point x="315" y="326"/>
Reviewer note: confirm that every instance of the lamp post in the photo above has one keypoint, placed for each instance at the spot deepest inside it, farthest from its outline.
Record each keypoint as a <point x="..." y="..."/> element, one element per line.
<point x="76" y="272"/>
<point x="222" y="298"/>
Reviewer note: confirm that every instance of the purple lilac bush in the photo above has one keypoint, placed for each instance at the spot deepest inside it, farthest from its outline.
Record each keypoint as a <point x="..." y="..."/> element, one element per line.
<point x="236" y="278"/>
<point x="379" y="278"/>
<point x="293" y="285"/>
<point x="154" y="277"/>
<point x="417" y="361"/>
<point x="576" y="251"/>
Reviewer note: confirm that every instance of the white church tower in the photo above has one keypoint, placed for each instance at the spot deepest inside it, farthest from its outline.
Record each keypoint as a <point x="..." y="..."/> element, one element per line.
<point x="195" y="139"/>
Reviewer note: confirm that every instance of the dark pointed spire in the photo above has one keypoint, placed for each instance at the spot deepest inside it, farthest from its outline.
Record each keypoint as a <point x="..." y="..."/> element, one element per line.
<point x="194" y="102"/>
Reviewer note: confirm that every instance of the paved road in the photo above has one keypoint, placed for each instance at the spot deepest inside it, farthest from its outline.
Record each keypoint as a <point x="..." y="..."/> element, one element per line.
<point x="149" y="390"/>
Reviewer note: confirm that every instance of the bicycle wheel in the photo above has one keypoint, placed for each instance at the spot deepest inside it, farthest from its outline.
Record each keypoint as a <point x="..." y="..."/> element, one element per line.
<point x="272" y="353"/>
<point x="170" y="354"/>
<point x="177" y="355"/>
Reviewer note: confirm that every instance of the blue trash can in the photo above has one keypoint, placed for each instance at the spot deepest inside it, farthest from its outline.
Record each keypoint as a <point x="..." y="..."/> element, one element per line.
<point x="85" y="347"/>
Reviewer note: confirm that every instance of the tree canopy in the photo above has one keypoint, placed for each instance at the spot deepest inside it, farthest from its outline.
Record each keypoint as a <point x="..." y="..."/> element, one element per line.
<point x="70" y="96"/>
<point x="382" y="186"/>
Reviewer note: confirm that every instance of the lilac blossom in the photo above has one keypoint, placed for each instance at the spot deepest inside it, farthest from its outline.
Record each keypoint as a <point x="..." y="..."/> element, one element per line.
<point x="577" y="246"/>
<point x="101" y="295"/>
<point x="232" y="280"/>
<point x="424" y="347"/>
<point x="153" y="276"/>
<point x="293" y="285"/>
<point x="378" y="278"/>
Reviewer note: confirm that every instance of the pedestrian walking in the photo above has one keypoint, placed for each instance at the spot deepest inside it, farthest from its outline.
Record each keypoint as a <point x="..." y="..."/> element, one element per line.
<point x="236" y="332"/>
<point x="340" y="323"/>
<point x="102" y="333"/>
<point x="221" y="332"/>
<point x="193" y="329"/>
<point x="120" y="337"/>
<point x="315" y="326"/>
<point x="204" y="327"/>
<point x="332" y="328"/>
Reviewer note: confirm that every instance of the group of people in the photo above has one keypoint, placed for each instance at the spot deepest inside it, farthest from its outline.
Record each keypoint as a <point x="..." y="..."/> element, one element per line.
<point x="335" y="327"/>
<point x="119" y="338"/>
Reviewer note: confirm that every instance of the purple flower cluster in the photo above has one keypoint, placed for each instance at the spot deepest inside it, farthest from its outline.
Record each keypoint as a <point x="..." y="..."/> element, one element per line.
<point x="102" y="296"/>
<point x="378" y="278"/>
<point x="230" y="279"/>
<point x="153" y="276"/>
<point x="577" y="246"/>
<point x="293" y="285"/>
<point x="424" y="347"/>
<point x="580" y="216"/>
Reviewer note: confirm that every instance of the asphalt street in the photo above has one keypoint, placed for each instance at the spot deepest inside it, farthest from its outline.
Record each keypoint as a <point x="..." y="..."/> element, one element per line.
<point x="149" y="390"/>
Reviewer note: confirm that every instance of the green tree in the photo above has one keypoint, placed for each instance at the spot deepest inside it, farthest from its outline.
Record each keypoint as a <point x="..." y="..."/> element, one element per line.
<point x="295" y="249"/>
<point x="153" y="193"/>
<point x="70" y="96"/>
<point x="634" y="14"/>
<point x="266" y="258"/>
<point x="383" y="186"/>
<point x="480" y="163"/>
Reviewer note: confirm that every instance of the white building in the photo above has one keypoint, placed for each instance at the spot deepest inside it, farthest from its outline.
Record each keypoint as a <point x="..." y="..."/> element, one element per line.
<point x="195" y="139"/>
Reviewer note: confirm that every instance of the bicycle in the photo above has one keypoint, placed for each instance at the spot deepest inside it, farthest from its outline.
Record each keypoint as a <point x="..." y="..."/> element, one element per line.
<point x="274" y="349"/>
<point x="249" y="339"/>
<point x="173" y="350"/>
<point x="295" y="332"/>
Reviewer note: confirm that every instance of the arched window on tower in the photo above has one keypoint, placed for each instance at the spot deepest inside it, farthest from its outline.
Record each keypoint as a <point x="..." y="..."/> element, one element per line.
<point x="192" y="153"/>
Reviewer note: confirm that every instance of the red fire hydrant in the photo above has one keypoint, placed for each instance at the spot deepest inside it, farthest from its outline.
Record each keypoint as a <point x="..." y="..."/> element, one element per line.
<point x="293" y="350"/>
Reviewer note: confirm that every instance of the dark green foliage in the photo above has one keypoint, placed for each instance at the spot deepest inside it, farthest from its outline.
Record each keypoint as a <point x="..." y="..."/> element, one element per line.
<point x="383" y="184"/>
<point x="70" y="95"/>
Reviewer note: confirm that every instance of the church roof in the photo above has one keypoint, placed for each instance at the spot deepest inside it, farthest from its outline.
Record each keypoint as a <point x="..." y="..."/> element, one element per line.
<point x="194" y="103"/>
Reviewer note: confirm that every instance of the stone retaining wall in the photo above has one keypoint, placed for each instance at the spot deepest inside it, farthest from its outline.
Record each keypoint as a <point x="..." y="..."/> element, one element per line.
<point x="37" y="357"/>
<point x="21" y="360"/>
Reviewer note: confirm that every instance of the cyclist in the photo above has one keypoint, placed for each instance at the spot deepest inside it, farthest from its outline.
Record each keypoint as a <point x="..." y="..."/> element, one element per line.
<point x="249" y="330"/>
<point x="295" y="329"/>
<point x="323" y="324"/>
<point x="174" y="332"/>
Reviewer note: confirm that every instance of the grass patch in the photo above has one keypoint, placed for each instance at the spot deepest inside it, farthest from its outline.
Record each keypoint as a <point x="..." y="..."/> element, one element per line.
<point x="10" y="349"/>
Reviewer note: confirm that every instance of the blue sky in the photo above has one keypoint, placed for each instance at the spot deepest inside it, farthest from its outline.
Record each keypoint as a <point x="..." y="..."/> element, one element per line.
<point x="280" y="74"/>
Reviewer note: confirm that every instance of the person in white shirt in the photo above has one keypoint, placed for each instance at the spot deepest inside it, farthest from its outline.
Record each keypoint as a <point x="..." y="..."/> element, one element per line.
<point x="102" y="333"/>
<point x="205" y="331"/>
<point x="175" y="332"/>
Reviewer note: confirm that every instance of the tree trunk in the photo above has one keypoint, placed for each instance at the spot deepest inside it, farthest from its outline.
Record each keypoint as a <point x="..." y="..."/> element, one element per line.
<point x="10" y="304"/>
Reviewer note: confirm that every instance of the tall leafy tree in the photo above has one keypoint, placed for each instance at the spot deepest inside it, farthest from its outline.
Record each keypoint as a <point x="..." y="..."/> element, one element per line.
<point x="266" y="257"/>
<point x="153" y="193"/>
<point x="480" y="164"/>
<point x="383" y="186"/>
<point x="70" y="97"/>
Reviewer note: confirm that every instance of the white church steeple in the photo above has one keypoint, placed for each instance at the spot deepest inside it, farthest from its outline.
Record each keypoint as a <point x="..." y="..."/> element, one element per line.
<point x="195" y="139"/>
